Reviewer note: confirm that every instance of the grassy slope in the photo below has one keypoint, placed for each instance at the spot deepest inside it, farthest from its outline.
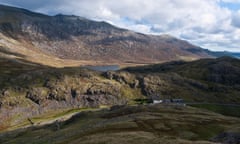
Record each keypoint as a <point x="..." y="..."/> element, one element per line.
<point x="207" y="80"/>
<point x="142" y="124"/>
<point x="227" y="110"/>
<point x="13" y="49"/>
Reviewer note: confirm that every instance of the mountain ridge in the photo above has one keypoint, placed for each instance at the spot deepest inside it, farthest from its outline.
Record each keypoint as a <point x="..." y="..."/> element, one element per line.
<point x="77" y="38"/>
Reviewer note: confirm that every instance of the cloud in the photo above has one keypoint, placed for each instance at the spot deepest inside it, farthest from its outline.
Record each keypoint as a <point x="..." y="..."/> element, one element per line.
<point x="231" y="1"/>
<point x="236" y="19"/>
<point x="31" y="4"/>
<point x="212" y="24"/>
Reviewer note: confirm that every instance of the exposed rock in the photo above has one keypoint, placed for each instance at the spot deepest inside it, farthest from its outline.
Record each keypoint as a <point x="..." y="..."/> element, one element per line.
<point x="37" y="95"/>
<point x="123" y="78"/>
<point x="5" y="93"/>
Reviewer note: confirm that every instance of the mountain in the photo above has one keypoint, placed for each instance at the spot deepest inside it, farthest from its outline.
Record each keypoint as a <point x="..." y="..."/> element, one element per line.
<point x="53" y="39"/>
<point x="224" y="53"/>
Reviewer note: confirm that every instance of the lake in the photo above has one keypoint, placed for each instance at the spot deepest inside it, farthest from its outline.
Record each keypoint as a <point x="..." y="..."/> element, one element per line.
<point x="103" y="68"/>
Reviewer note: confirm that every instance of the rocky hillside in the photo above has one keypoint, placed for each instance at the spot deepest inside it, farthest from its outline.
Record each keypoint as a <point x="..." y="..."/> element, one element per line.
<point x="28" y="89"/>
<point x="77" y="38"/>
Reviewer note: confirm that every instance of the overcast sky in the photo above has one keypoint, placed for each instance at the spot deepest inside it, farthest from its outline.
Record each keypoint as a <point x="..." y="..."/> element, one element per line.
<point x="212" y="24"/>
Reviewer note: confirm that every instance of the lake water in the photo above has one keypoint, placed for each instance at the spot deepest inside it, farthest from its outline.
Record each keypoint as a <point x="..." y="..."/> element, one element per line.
<point x="103" y="68"/>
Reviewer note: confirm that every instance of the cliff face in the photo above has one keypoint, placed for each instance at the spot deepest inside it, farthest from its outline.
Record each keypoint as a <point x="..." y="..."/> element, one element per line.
<point x="73" y="37"/>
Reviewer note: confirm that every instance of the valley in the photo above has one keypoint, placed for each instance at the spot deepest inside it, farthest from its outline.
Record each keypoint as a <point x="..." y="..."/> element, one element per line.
<point x="69" y="79"/>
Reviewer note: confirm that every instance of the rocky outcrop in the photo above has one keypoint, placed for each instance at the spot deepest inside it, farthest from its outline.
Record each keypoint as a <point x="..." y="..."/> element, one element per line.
<point x="36" y="90"/>
<point x="48" y="90"/>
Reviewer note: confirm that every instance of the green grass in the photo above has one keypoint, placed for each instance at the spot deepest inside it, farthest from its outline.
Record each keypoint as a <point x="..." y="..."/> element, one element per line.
<point x="143" y="101"/>
<point x="227" y="110"/>
<point x="131" y="125"/>
<point x="59" y="114"/>
<point x="46" y="118"/>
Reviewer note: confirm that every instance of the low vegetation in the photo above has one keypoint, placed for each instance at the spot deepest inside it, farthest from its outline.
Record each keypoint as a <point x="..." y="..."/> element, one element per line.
<point x="134" y="124"/>
<point x="228" y="110"/>
<point x="44" y="94"/>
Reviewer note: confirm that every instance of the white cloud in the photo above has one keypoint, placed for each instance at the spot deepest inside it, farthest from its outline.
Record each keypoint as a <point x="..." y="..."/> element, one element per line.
<point x="231" y="1"/>
<point x="236" y="19"/>
<point x="203" y="22"/>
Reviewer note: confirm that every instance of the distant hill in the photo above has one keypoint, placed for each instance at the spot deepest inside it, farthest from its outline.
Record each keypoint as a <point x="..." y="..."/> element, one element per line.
<point x="223" y="53"/>
<point x="78" y="38"/>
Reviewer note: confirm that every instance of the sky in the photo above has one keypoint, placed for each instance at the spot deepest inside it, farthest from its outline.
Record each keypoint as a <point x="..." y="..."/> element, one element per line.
<point x="211" y="24"/>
